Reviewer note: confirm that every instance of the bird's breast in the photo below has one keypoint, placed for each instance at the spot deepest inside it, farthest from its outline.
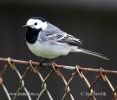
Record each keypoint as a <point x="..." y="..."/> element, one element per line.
<point x="48" y="50"/>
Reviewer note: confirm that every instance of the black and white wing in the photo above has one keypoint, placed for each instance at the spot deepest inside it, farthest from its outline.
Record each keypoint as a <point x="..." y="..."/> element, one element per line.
<point x="71" y="40"/>
<point x="56" y="34"/>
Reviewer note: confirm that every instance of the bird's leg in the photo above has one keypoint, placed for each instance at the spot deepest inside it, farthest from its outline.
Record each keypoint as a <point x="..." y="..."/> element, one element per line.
<point x="41" y="63"/>
<point x="50" y="64"/>
<point x="56" y="59"/>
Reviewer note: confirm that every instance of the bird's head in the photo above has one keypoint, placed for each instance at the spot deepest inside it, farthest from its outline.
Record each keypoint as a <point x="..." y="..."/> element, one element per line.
<point x="36" y="23"/>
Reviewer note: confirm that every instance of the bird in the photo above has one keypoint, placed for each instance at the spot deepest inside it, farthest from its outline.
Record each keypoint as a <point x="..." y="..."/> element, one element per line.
<point x="50" y="42"/>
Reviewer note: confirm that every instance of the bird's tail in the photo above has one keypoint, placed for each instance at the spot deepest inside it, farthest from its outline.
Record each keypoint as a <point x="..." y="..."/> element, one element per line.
<point x="92" y="53"/>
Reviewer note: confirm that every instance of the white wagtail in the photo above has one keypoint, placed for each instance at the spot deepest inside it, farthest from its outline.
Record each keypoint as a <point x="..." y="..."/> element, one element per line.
<point x="48" y="41"/>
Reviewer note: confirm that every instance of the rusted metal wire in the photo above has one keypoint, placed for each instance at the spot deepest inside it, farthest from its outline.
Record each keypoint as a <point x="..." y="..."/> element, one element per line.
<point x="78" y="71"/>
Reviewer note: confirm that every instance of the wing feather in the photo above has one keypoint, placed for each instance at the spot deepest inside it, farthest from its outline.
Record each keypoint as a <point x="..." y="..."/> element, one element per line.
<point x="54" y="33"/>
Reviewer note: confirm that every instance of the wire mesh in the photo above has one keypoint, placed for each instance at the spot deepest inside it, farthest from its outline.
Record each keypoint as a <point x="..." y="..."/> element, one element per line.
<point x="77" y="71"/>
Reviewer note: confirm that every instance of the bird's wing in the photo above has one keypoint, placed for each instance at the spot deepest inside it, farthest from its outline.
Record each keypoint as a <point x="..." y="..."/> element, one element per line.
<point x="63" y="37"/>
<point x="54" y="33"/>
<point x="71" y="40"/>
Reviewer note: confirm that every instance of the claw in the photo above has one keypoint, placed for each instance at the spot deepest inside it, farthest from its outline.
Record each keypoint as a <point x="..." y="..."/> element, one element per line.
<point x="41" y="66"/>
<point x="41" y="63"/>
<point x="50" y="66"/>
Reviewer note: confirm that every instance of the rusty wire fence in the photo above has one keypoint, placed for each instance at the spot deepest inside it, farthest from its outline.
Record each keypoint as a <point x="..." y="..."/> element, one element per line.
<point x="77" y="71"/>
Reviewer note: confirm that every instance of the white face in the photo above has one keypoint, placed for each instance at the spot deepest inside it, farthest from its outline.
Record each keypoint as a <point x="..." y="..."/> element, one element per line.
<point x="36" y="23"/>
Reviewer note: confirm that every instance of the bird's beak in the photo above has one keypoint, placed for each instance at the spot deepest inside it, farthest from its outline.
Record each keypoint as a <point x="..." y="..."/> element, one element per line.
<point x="25" y="26"/>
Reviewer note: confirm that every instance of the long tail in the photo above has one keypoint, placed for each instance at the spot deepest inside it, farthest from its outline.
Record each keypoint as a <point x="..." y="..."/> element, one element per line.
<point x="92" y="53"/>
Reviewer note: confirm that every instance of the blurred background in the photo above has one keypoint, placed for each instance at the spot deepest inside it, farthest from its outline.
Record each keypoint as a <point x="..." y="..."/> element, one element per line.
<point x="93" y="21"/>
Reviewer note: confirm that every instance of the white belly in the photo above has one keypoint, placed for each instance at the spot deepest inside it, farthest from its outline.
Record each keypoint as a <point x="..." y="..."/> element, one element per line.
<point x="48" y="50"/>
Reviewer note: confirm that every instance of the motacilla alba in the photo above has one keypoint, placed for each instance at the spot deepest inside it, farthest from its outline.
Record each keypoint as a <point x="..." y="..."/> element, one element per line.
<point x="48" y="41"/>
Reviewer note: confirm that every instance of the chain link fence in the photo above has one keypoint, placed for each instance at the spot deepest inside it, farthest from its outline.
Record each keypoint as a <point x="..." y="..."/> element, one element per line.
<point x="77" y="71"/>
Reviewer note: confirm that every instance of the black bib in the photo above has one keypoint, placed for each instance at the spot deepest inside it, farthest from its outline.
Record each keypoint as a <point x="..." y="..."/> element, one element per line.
<point x="32" y="35"/>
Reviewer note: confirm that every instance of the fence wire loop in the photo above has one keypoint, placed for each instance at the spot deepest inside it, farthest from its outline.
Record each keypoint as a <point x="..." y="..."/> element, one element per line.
<point x="11" y="63"/>
<point x="102" y="74"/>
<point x="32" y="66"/>
<point x="55" y="68"/>
<point x="79" y="71"/>
<point x="87" y="83"/>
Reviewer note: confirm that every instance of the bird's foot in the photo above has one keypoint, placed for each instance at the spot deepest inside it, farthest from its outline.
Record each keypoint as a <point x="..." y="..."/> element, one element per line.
<point x="41" y="65"/>
<point x="52" y="65"/>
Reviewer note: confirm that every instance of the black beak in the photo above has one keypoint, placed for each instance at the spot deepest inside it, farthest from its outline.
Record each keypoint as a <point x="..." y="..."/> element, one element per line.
<point x="25" y="26"/>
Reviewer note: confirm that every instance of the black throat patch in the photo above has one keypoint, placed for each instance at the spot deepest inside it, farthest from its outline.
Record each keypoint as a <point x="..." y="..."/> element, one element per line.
<point x="32" y="35"/>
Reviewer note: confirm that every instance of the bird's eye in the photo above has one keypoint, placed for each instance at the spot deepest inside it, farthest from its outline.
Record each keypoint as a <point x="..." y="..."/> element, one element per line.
<point x="35" y="23"/>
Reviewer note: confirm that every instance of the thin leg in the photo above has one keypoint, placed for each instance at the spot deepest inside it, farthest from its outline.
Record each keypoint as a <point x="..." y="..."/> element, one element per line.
<point x="41" y="63"/>
<point x="56" y="59"/>
<point x="44" y="60"/>
<point x="49" y="66"/>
